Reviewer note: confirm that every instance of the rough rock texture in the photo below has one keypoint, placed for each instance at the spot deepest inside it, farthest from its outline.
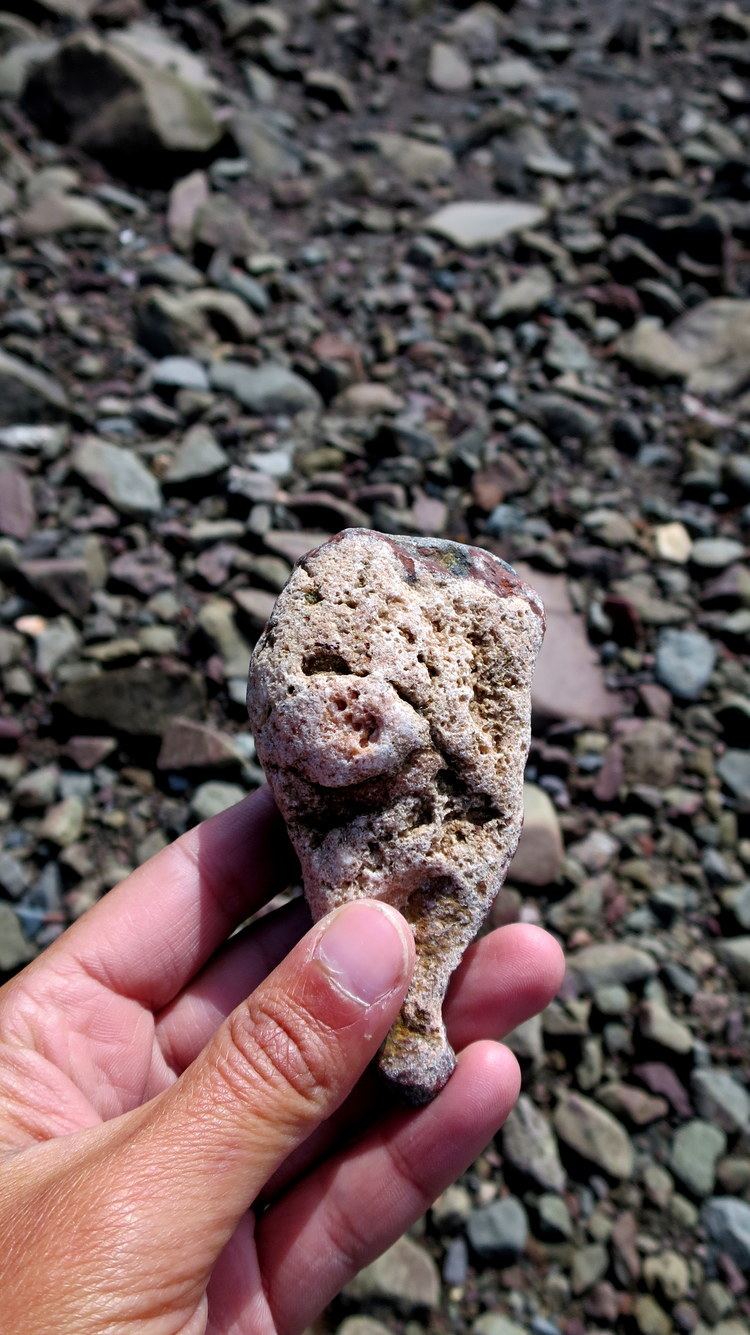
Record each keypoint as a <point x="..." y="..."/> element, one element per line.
<point x="390" y="700"/>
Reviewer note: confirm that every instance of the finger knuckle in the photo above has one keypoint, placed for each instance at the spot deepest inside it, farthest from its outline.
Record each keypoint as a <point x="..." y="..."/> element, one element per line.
<point x="274" y="1045"/>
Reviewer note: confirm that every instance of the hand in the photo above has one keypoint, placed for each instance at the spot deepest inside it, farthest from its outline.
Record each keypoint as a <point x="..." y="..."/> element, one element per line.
<point x="156" y="1081"/>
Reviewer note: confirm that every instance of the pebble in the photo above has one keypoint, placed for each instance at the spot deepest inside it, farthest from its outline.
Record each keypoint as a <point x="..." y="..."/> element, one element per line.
<point x="685" y="661"/>
<point x="498" y="1232"/>
<point x="696" y="1147"/>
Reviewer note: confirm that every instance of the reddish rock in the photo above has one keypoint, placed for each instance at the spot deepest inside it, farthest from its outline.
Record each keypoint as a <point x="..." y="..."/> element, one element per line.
<point x="62" y="581"/>
<point x="17" y="512"/>
<point x="569" y="683"/>
<point x="88" y="752"/>
<point x="190" y="745"/>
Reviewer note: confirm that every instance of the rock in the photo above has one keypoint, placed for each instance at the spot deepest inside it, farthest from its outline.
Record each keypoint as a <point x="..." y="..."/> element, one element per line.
<point x="267" y="390"/>
<point x="17" y="512"/>
<point x="726" y="1220"/>
<point x="590" y="1264"/>
<point x="330" y="88"/>
<point x="529" y="1144"/>
<point x="554" y="1223"/>
<point x="684" y="662"/>
<point x="211" y="798"/>
<point x="361" y="1325"/>
<point x="594" y="1135"/>
<point x="721" y="1099"/>
<point x="650" y="1318"/>
<point x="734" y="771"/>
<point x="668" y="1275"/>
<point x="216" y="619"/>
<point x="568" y="682"/>
<point x="63" y="581"/>
<point x="179" y="373"/>
<point x="198" y="457"/>
<point x="449" y="71"/>
<point x="134" y="700"/>
<point x="28" y="395"/>
<point x="672" y="542"/>
<point x="63" y="822"/>
<point x="186" y="198"/>
<point x="714" y="339"/>
<point x="539" y="857"/>
<point x="498" y="1232"/>
<point x="650" y="350"/>
<point x="712" y="554"/>
<point x="117" y="475"/>
<point x="363" y="726"/>
<point x="471" y="225"/>
<point x="659" y="1027"/>
<point x="15" y="950"/>
<point x="611" y="962"/>
<point x="736" y="954"/>
<point x="696" y="1146"/>
<point x="494" y="1323"/>
<point x="419" y="162"/>
<point x="190" y="745"/>
<point x="523" y="297"/>
<point x="367" y="400"/>
<point x="405" y="1276"/>
<point x="110" y="102"/>
<point x="55" y="213"/>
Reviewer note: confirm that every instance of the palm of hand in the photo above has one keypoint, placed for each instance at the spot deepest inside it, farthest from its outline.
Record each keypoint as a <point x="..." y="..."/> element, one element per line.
<point x="98" y="1030"/>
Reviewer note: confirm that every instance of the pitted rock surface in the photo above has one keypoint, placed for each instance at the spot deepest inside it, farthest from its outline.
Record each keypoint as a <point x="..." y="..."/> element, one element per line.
<point x="390" y="700"/>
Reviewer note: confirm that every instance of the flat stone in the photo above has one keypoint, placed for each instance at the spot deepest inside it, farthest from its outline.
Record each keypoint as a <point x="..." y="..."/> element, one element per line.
<point x="672" y="542"/>
<point x="198" y="456"/>
<point x="472" y="225"/>
<point x="539" y="856"/>
<point x="187" y="744"/>
<point x="713" y="554"/>
<point x="119" y="476"/>
<point x="15" y="949"/>
<point x="28" y="395"/>
<point x="63" y="822"/>
<point x="498" y="1232"/>
<point x="449" y="70"/>
<point x="530" y="1145"/>
<point x="696" y="1147"/>
<point x="651" y="351"/>
<point x="726" y="1220"/>
<point x="179" y="373"/>
<point x="268" y="390"/>
<point x="63" y="581"/>
<point x="736" y="954"/>
<point x="405" y="1276"/>
<point x="594" y="1135"/>
<point x="134" y="700"/>
<point x="354" y="700"/>
<point x="54" y="214"/>
<point x="611" y="962"/>
<point x="721" y="1099"/>
<point x="568" y="684"/>
<point x="684" y="662"/>
<point x="211" y="798"/>
<point x="17" y="511"/>
<point x="714" y="338"/>
<point x="733" y="769"/>
<point x="415" y="159"/>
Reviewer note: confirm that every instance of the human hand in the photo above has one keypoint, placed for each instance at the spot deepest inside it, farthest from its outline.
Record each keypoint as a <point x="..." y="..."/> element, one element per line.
<point x="157" y="1081"/>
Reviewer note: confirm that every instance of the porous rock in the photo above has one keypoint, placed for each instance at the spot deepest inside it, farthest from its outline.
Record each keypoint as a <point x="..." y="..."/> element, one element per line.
<point x="390" y="700"/>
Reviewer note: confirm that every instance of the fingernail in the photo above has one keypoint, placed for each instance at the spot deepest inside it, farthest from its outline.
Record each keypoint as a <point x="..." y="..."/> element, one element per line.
<point x="364" y="950"/>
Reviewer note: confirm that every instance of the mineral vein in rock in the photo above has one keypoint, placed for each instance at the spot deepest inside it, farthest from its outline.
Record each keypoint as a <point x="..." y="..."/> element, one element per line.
<point x="390" y="700"/>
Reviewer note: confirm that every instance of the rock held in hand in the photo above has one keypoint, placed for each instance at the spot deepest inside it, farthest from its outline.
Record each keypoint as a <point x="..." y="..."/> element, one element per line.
<point x="390" y="700"/>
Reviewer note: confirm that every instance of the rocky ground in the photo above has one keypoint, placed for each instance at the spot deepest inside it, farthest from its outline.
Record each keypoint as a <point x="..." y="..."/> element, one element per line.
<point x="268" y="270"/>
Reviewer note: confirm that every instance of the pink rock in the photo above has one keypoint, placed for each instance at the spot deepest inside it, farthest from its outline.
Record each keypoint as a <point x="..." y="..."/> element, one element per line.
<point x="569" y="682"/>
<point x="390" y="700"/>
<point x="190" y="745"/>
<point x="17" y="513"/>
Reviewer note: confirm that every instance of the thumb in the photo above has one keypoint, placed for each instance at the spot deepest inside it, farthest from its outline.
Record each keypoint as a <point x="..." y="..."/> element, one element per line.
<point x="278" y="1066"/>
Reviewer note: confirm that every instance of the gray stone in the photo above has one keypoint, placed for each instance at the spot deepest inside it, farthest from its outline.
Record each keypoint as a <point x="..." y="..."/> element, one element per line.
<point x="199" y="456"/>
<point x="28" y="395"/>
<point x="736" y="954"/>
<point x="494" y="1323"/>
<point x="134" y="700"/>
<point x="530" y="1145"/>
<point x="611" y="962"/>
<point x="726" y="1220"/>
<point x="213" y="797"/>
<point x="472" y="225"/>
<point x="734" y="771"/>
<point x="539" y="856"/>
<point x="267" y="390"/>
<point x="119" y="476"/>
<point x="449" y="70"/>
<point x="498" y="1232"/>
<point x="594" y="1135"/>
<point x="405" y="1276"/>
<point x="179" y="373"/>
<point x="721" y="1099"/>
<point x="696" y="1147"/>
<point x="15" y="950"/>
<point x="684" y="662"/>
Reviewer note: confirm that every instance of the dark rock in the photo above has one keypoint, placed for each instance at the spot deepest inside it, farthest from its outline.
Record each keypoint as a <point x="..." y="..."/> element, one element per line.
<point x="134" y="700"/>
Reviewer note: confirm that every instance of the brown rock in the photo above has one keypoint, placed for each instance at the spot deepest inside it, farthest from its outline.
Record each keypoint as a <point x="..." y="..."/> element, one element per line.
<point x="539" y="858"/>
<point x="190" y="745"/>
<point x="389" y="696"/>
<point x="17" y="513"/>
<point x="568" y="682"/>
